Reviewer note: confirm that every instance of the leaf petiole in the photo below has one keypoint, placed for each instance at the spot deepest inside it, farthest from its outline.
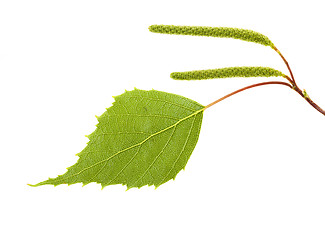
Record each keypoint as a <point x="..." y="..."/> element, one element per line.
<point x="245" y="88"/>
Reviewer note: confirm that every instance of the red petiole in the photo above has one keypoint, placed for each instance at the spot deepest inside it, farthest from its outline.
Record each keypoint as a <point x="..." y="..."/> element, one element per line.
<point x="293" y="85"/>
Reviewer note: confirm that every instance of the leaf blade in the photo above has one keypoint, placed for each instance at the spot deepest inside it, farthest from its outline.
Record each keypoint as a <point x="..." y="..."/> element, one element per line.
<point x="148" y="155"/>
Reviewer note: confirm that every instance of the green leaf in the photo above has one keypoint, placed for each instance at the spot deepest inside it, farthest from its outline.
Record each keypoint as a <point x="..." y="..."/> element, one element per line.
<point x="222" y="32"/>
<point x="227" y="73"/>
<point x="145" y="138"/>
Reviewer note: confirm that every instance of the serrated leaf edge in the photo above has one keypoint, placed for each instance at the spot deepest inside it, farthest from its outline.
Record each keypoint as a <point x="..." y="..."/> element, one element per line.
<point x="135" y="145"/>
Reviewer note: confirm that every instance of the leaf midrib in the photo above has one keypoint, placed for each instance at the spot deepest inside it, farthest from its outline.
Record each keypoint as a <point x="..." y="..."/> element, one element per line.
<point x="135" y="145"/>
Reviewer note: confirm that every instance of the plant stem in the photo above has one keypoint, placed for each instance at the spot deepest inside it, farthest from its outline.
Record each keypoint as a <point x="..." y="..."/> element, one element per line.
<point x="286" y="62"/>
<point x="245" y="88"/>
<point x="295" y="86"/>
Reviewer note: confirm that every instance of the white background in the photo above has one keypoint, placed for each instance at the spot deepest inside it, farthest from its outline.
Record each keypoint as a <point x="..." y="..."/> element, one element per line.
<point x="258" y="170"/>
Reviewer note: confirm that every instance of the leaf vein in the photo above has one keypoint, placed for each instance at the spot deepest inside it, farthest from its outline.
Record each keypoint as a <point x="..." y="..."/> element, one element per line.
<point x="101" y="169"/>
<point x="157" y="99"/>
<point x="124" y="167"/>
<point x="128" y="148"/>
<point x="117" y="133"/>
<point x="162" y="150"/>
<point x="148" y="115"/>
<point x="187" y="138"/>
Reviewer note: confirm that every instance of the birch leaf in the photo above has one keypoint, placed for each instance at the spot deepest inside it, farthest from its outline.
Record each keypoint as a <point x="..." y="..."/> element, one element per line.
<point x="145" y="138"/>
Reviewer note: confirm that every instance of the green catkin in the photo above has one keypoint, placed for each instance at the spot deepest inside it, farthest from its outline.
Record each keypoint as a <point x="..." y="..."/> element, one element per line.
<point x="222" y="32"/>
<point x="227" y="73"/>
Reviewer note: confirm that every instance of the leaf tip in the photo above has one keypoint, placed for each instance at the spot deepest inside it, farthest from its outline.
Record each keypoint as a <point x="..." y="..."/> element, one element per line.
<point x="34" y="185"/>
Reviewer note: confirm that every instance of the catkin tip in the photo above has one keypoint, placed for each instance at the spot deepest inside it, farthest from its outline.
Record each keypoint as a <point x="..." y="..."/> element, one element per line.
<point x="151" y="28"/>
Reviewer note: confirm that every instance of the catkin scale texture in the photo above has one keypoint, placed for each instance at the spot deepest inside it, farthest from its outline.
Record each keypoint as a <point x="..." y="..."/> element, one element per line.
<point x="227" y="73"/>
<point x="222" y="32"/>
